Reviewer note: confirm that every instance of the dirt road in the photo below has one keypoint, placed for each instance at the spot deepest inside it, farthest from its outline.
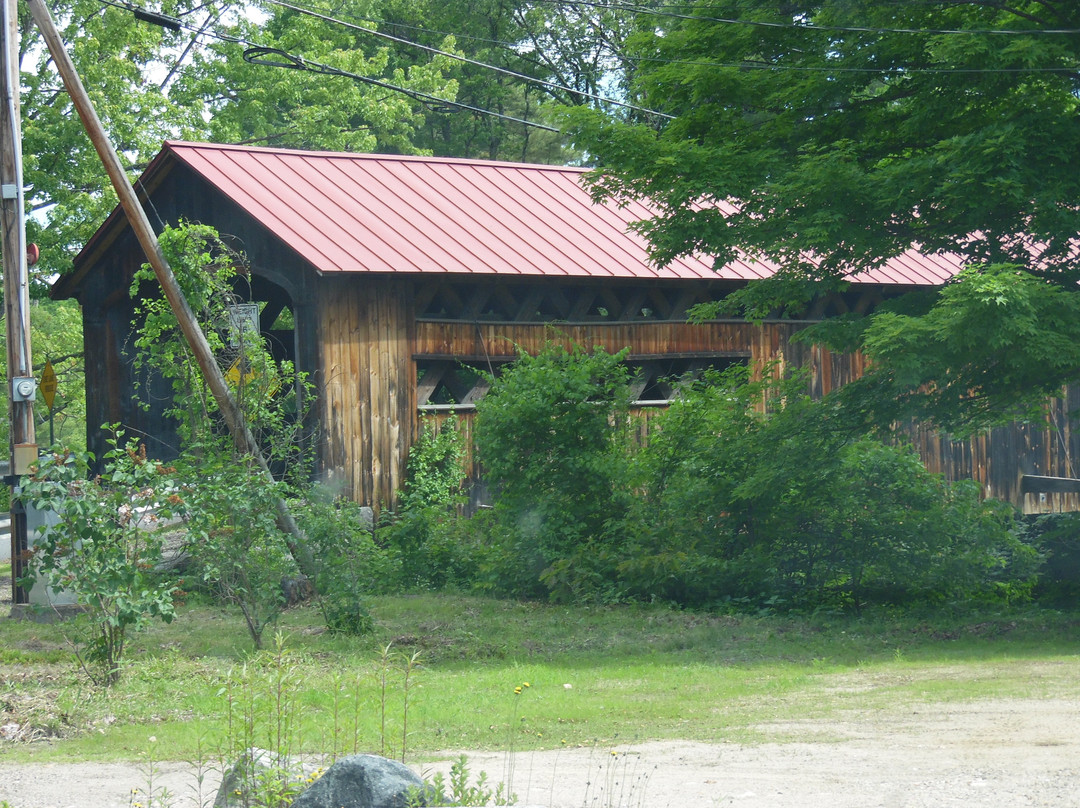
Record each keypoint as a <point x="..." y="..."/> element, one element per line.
<point x="998" y="754"/>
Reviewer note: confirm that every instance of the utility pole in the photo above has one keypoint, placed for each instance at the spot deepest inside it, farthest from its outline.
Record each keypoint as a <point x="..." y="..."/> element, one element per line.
<point x="242" y="436"/>
<point x="21" y="386"/>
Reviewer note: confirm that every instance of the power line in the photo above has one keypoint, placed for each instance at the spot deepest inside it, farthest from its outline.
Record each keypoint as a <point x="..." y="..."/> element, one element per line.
<point x="259" y="54"/>
<point x="659" y="12"/>
<point x="299" y="63"/>
<point x="881" y="71"/>
<point x="421" y="29"/>
<point x="505" y="71"/>
<point x="743" y="65"/>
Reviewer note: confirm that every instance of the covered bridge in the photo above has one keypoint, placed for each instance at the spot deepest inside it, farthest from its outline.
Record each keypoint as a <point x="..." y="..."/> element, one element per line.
<point x="403" y="275"/>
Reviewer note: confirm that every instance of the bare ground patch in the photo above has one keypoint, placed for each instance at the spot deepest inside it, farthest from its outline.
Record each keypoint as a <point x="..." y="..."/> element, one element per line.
<point x="993" y="754"/>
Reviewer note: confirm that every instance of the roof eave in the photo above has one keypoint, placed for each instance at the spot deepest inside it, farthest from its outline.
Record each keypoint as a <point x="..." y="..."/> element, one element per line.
<point x="67" y="286"/>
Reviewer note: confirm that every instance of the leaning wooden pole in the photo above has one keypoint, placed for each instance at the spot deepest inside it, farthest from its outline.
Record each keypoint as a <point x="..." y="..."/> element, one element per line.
<point x="196" y="339"/>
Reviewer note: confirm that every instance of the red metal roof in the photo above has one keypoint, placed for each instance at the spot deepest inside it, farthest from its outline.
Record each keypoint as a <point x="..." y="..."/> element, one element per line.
<point x="393" y="214"/>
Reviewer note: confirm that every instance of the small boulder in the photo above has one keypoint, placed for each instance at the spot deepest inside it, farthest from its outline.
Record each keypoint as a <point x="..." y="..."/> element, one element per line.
<point x="259" y="772"/>
<point x="361" y="781"/>
<point x="367" y="518"/>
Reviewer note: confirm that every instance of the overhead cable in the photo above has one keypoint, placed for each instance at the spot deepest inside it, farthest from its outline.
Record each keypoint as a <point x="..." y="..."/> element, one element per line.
<point x="275" y="57"/>
<point x="505" y="71"/>
<point x="804" y="26"/>
<point x="898" y="70"/>
<point x="259" y="54"/>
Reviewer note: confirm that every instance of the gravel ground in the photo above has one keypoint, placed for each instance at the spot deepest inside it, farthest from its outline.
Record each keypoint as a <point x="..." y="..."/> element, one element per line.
<point x="993" y="754"/>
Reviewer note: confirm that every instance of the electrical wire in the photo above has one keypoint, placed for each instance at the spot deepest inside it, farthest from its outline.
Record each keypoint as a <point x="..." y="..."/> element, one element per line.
<point x="1063" y="69"/>
<point x="421" y="29"/>
<point x="880" y="71"/>
<point x="300" y="63"/>
<point x="741" y="65"/>
<point x="258" y="54"/>
<point x="505" y="71"/>
<point x="660" y="12"/>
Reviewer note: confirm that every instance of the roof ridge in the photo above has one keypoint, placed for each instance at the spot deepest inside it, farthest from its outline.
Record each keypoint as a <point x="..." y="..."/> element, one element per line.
<point x="176" y="145"/>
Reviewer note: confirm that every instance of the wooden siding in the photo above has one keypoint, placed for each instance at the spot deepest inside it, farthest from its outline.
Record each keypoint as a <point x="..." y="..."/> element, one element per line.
<point x="367" y="399"/>
<point x="999" y="459"/>
<point x="996" y="460"/>
<point x="477" y="341"/>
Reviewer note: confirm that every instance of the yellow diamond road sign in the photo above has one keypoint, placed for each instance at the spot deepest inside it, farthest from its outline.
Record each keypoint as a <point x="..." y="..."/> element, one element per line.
<point x="47" y="386"/>
<point x="239" y="372"/>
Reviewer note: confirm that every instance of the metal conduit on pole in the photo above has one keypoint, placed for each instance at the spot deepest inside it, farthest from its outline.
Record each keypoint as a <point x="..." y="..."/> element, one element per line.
<point x="215" y="380"/>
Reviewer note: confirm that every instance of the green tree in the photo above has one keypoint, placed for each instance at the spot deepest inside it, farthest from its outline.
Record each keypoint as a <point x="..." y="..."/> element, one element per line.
<point x="514" y="59"/>
<point x="126" y="66"/>
<point x="253" y="102"/>
<point x="56" y="335"/>
<point x="525" y="58"/>
<point x="846" y="133"/>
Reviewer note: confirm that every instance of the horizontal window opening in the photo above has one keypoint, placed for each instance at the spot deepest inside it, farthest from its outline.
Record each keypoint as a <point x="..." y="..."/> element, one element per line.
<point x="446" y="384"/>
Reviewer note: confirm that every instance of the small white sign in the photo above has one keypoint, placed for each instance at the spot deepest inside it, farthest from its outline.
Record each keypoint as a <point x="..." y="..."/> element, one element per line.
<point x="243" y="318"/>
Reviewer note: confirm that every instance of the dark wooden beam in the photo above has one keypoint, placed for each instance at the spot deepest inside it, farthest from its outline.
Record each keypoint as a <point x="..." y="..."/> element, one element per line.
<point x="1036" y="484"/>
<point x="433" y="374"/>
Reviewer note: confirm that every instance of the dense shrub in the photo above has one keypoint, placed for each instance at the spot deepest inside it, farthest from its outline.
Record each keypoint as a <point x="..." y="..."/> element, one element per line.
<point x="552" y="436"/>
<point x="435" y="548"/>
<point x="240" y="552"/>
<point x="749" y="493"/>
<point x="435" y="471"/>
<point x="1057" y="537"/>
<point x="348" y="565"/>
<point x="105" y="546"/>
<point x="753" y="492"/>
<point x="430" y="543"/>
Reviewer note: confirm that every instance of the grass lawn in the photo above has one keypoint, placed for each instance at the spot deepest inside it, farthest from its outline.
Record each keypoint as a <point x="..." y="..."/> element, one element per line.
<point x="596" y="676"/>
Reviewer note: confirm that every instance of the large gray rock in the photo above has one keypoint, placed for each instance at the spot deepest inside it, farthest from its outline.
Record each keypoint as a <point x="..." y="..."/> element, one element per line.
<point x="361" y="781"/>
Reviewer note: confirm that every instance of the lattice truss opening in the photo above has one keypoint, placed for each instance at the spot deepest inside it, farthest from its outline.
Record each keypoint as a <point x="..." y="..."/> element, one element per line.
<point x="444" y="384"/>
<point x="547" y="303"/>
<point x="532" y="303"/>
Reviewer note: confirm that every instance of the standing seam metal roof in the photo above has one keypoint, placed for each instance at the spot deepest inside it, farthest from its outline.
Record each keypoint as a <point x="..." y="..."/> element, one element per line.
<point x="358" y="213"/>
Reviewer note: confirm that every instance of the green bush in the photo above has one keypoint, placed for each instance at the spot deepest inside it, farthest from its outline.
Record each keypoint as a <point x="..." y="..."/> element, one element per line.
<point x="106" y="545"/>
<point x="349" y="565"/>
<point x="553" y="439"/>
<point x="435" y="470"/>
<point x="239" y="550"/>
<point x="1057" y="537"/>
<point x="754" y="493"/>
<point x="429" y="540"/>
<point x="749" y="494"/>
<point x="435" y="547"/>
